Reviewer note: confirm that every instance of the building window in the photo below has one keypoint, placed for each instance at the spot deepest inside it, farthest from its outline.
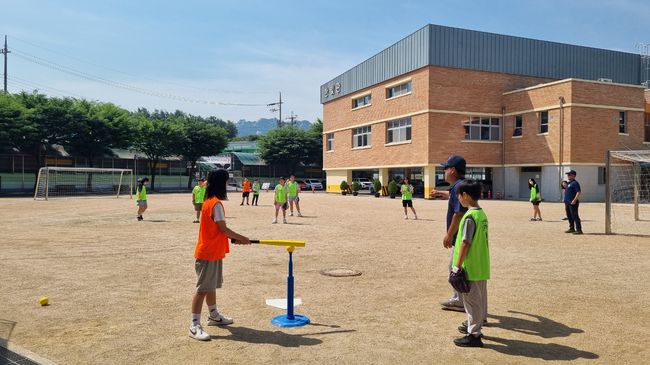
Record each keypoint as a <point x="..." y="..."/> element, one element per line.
<point x="622" y="122"/>
<point x="543" y="122"/>
<point x="398" y="90"/>
<point x="483" y="129"/>
<point x="330" y="141"/>
<point x="361" y="101"/>
<point x="519" y="122"/>
<point x="602" y="175"/>
<point x="647" y="128"/>
<point x="361" y="136"/>
<point x="398" y="130"/>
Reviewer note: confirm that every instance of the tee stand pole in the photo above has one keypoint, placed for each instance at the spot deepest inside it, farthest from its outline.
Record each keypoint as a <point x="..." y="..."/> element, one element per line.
<point x="290" y="319"/>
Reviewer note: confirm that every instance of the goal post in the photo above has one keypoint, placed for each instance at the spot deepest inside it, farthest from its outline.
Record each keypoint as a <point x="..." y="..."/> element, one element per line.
<point x="79" y="181"/>
<point x="627" y="192"/>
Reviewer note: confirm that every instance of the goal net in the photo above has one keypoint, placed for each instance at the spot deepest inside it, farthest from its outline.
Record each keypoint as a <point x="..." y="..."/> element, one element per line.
<point x="54" y="182"/>
<point x="627" y="200"/>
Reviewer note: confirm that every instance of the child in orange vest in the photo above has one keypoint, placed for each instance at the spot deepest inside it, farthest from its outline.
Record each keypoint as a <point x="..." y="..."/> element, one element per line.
<point x="211" y="248"/>
<point x="246" y="188"/>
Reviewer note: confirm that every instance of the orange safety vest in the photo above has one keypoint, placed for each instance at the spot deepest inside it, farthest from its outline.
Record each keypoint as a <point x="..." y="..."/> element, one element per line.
<point x="212" y="243"/>
<point x="247" y="186"/>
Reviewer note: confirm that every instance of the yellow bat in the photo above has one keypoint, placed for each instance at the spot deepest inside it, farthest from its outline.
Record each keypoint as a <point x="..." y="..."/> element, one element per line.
<point x="277" y="242"/>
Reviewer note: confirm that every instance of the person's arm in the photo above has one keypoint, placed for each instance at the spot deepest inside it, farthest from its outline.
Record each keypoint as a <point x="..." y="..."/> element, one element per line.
<point x="444" y="193"/>
<point x="575" y="200"/>
<point x="467" y="236"/>
<point x="464" y="247"/>
<point x="219" y="218"/>
<point x="453" y="227"/>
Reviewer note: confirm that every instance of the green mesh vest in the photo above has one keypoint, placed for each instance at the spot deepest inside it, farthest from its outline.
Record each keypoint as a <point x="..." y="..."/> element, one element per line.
<point x="477" y="260"/>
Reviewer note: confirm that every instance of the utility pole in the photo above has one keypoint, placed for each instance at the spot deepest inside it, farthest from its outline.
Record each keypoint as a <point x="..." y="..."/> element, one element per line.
<point x="5" y="51"/>
<point x="273" y="109"/>
<point x="292" y="118"/>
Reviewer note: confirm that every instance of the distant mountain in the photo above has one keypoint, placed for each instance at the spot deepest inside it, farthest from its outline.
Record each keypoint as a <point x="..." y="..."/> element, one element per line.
<point x="263" y="125"/>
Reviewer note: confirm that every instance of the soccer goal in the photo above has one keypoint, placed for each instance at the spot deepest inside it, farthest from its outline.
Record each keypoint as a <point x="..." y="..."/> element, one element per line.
<point x="627" y="192"/>
<point x="69" y="182"/>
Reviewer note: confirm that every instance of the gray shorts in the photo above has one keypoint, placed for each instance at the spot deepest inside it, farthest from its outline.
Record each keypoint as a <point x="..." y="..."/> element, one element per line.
<point x="293" y="198"/>
<point x="198" y="206"/>
<point x="209" y="275"/>
<point x="141" y="203"/>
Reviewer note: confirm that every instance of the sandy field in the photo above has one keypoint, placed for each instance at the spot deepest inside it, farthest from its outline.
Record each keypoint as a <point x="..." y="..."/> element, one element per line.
<point x="120" y="290"/>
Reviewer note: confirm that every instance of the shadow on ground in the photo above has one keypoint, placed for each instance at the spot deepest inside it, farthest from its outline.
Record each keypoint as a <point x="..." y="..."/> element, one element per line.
<point x="6" y="327"/>
<point x="545" y="351"/>
<point x="537" y="325"/>
<point x="250" y="335"/>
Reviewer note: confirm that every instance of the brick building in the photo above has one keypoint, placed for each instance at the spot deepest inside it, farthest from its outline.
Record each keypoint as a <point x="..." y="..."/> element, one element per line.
<point x="513" y="107"/>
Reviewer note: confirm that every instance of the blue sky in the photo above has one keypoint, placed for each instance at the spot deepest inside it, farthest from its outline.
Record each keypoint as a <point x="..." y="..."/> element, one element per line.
<point x="198" y="55"/>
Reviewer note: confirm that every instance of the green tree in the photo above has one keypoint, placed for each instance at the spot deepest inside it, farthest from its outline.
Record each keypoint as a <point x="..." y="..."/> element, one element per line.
<point x="230" y="127"/>
<point x="315" y="132"/>
<point x="47" y="122"/>
<point x="12" y="114"/>
<point x="288" y="146"/>
<point x="200" y="138"/>
<point x="157" y="139"/>
<point x="98" y="128"/>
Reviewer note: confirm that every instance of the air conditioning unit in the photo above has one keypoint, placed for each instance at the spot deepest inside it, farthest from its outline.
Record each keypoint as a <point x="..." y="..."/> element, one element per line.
<point x="602" y="79"/>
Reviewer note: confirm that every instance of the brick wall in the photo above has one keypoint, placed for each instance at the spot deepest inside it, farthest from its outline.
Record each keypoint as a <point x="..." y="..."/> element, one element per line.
<point x="588" y="131"/>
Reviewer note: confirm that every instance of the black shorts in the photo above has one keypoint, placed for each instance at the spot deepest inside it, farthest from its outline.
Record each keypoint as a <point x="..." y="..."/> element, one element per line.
<point x="407" y="203"/>
<point x="536" y="202"/>
<point x="245" y="194"/>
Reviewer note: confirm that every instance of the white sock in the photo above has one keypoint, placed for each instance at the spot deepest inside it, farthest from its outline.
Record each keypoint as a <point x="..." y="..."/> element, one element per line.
<point x="213" y="310"/>
<point x="196" y="318"/>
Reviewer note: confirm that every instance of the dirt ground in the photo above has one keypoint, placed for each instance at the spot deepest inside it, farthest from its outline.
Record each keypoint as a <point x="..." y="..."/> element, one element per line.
<point x="120" y="289"/>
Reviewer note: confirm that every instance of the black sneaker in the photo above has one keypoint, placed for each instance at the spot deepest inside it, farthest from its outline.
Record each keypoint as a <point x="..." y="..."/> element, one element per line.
<point x="578" y="232"/>
<point x="140" y="218"/>
<point x="469" y="341"/>
<point x="565" y="219"/>
<point x="570" y="230"/>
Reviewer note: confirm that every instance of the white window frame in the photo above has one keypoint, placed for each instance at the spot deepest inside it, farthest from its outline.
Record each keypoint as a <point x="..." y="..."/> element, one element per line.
<point x="361" y="137"/>
<point x="330" y="141"/>
<point x="404" y="88"/>
<point x="622" y="122"/>
<point x="400" y="128"/>
<point x="543" y="123"/>
<point x="476" y="126"/>
<point x="361" y="101"/>
<point x="519" y="118"/>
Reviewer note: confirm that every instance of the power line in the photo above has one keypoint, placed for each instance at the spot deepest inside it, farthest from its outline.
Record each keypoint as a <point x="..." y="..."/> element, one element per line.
<point x="25" y="86"/>
<point x="61" y="68"/>
<point x="42" y="86"/>
<point x="132" y="75"/>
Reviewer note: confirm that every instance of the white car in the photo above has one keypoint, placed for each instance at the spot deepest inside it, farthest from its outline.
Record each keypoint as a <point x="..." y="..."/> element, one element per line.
<point x="365" y="183"/>
<point x="314" y="184"/>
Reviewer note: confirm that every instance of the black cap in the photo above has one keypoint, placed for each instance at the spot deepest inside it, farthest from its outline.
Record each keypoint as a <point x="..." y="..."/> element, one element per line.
<point x="144" y="178"/>
<point x="201" y="179"/>
<point x="571" y="172"/>
<point x="455" y="161"/>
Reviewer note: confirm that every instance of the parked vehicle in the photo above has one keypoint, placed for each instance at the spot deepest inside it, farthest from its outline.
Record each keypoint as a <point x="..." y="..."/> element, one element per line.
<point x="314" y="184"/>
<point x="365" y="183"/>
<point x="303" y="185"/>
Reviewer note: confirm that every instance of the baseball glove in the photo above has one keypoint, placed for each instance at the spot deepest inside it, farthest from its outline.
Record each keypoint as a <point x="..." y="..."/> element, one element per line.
<point x="459" y="281"/>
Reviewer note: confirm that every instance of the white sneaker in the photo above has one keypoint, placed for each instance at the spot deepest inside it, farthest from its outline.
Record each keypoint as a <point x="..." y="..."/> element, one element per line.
<point x="284" y="221"/>
<point x="275" y="221"/>
<point x="220" y="320"/>
<point x="299" y="215"/>
<point x="291" y="214"/>
<point x="196" y="332"/>
<point x="406" y="217"/>
<point x="416" y="217"/>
